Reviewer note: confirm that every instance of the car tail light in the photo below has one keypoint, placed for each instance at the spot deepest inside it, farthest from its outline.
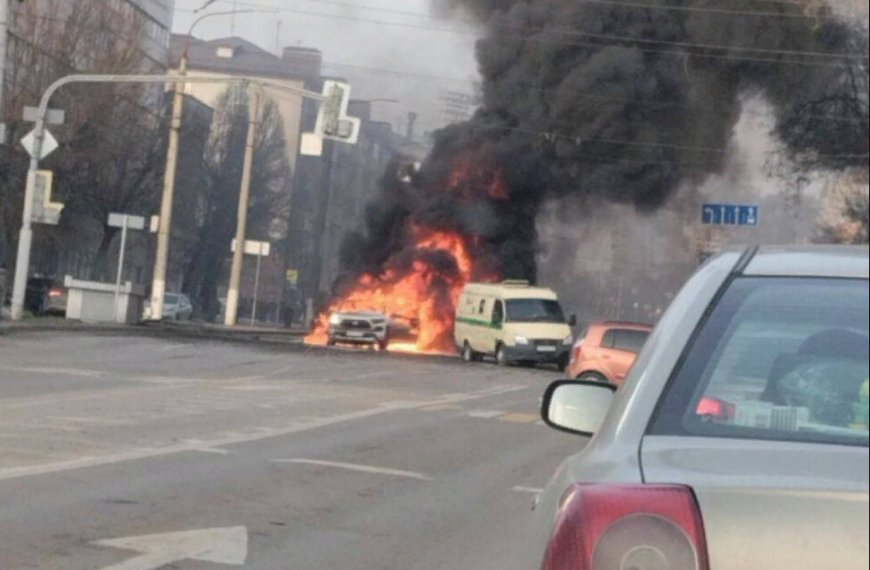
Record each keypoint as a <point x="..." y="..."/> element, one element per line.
<point x="715" y="408"/>
<point x="55" y="293"/>
<point x="627" y="527"/>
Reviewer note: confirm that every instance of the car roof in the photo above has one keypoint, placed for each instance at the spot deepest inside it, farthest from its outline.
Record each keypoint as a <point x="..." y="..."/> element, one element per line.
<point x="374" y="314"/>
<point x="511" y="290"/>
<point x="810" y="261"/>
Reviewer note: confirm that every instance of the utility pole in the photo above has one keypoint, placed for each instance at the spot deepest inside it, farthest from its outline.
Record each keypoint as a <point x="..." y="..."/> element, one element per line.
<point x="4" y="33"/>
<point x="161" y="256"/>
<point x="242" y="222"/>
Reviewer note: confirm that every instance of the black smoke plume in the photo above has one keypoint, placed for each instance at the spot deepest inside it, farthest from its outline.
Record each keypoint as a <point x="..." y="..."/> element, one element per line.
<point x="591" y="100"/>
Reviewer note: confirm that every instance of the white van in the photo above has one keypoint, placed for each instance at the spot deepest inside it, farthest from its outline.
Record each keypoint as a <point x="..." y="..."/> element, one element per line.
<point x="514" y="322"/>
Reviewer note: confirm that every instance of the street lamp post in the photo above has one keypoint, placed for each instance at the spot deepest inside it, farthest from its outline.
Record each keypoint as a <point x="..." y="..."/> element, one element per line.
<point x="161" y="256"/>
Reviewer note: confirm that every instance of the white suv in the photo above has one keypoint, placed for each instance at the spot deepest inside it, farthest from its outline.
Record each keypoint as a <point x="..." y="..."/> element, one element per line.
<point x="359" y="328"/>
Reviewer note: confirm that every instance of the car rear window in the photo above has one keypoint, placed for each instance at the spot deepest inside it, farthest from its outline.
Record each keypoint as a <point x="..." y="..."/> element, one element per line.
<point x="171" y="299"/>
<point x="778" y="358"/>
<point x="628" y="340"/>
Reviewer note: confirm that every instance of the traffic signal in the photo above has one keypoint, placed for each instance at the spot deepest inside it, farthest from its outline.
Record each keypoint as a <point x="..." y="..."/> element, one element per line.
<point x="333" y="122"/>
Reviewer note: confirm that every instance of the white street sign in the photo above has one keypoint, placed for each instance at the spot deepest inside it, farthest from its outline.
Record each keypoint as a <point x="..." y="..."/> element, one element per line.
<point x="258" y="248"/>
<point x="52" y="116"/>
<point x="131" y="222"/>
<point x="2" y="133"/>
<point x="218" y="545"/>
<point x="49" y="143"/>
<point x="312" y="145"/>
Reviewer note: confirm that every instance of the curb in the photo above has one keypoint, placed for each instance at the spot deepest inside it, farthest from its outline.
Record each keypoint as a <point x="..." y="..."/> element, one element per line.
<point x="278" y="339"/>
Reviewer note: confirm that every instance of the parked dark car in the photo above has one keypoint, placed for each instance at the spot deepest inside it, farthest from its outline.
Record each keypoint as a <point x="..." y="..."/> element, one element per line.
<point x="44" y="296"/>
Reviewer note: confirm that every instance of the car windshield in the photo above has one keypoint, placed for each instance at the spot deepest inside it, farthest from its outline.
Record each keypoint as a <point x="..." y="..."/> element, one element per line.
<point x="534" y="311"/>
<point x="171" y="299"/>
<point x="778" y="359"/>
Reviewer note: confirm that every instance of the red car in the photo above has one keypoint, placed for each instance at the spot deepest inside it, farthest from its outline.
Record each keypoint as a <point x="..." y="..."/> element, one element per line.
<point x="605" y="351"/>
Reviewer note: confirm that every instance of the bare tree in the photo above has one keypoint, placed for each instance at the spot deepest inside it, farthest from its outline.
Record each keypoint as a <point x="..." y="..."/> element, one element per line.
<point x="844" y="217"/>
<point x="109" y="158"/>
<point x="825" y="127"/>
<point x="218" y="202"/>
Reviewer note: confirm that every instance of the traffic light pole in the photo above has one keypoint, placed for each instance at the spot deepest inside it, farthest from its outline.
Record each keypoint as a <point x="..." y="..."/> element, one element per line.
<point x="22" y="264"/>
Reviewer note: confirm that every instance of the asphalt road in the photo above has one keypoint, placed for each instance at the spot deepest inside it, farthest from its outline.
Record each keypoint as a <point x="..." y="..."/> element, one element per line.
<point x="127" y="453"/>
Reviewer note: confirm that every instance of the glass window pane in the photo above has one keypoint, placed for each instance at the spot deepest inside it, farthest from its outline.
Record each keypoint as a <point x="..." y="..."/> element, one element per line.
<point x="779" y="358"/>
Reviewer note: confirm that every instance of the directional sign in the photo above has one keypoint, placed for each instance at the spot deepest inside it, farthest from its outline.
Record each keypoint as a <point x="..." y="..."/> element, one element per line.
<point x="124" y="220"/>
<point x="49" y="143"/>
<point x="730" y="215"/>
<point x="258" y="248"/>
<point x="52" y="116"/>
<point x="218" y="545"/>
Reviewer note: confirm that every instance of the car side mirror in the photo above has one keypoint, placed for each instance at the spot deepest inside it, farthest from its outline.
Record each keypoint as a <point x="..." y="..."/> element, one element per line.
<point x="572" y="321"/>
<point x="577" y="406"/>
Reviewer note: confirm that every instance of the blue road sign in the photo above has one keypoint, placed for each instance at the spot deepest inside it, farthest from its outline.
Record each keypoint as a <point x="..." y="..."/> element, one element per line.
<point x="730" y="215"/>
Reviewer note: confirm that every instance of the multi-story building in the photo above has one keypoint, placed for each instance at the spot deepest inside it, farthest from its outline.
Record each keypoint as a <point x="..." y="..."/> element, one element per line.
<point x="296" y="68"/>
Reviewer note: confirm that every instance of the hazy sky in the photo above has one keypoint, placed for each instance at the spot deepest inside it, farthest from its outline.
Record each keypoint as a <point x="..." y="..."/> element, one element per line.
<point x="414" y="60"/>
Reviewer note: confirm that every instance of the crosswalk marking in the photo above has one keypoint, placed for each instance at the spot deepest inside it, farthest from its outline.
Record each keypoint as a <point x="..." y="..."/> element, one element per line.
<point x="498" y="415"/>
<point x="485" y="414"/>
<point x="519" y="418"/>
<point x="441" y="408"/>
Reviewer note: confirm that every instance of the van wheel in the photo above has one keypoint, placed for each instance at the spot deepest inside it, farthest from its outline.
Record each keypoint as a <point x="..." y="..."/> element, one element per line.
<point x="468" y="355"/>
<point x="500" y="356"/>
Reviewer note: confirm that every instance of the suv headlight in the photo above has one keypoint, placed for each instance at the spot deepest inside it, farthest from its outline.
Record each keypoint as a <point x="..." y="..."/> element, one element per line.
<point x="568" y="340"/>
<point x="334" y="320"/>
<point x="520" y="340"/>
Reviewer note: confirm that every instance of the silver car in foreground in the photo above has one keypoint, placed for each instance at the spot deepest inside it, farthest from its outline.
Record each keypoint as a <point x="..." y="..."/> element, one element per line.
<point x="739" y="439"/>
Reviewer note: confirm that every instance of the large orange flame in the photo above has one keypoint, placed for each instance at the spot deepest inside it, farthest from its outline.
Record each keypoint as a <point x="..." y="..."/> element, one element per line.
<point x="421" y="294"/>
<point x="422" y="298"/>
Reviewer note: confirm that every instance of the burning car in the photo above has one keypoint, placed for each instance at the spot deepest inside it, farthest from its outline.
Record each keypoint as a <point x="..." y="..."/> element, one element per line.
<point x="359" y="328"/>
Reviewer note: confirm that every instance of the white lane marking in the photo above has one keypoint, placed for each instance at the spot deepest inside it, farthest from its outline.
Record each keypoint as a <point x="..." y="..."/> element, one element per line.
<point x="485" y="414"/>
<point x="532" y="490"/>
<point x="265" y="433"/>
<point x="203" y="447"/>
<point x="357" y="467"/>
<point x="59" y="371"/>
<point x="175" y="346"/>
<point x="218" y="545"/>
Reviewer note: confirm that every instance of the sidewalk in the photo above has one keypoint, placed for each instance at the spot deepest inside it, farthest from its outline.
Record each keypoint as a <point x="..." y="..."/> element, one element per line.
<point x="185" y="329"/>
